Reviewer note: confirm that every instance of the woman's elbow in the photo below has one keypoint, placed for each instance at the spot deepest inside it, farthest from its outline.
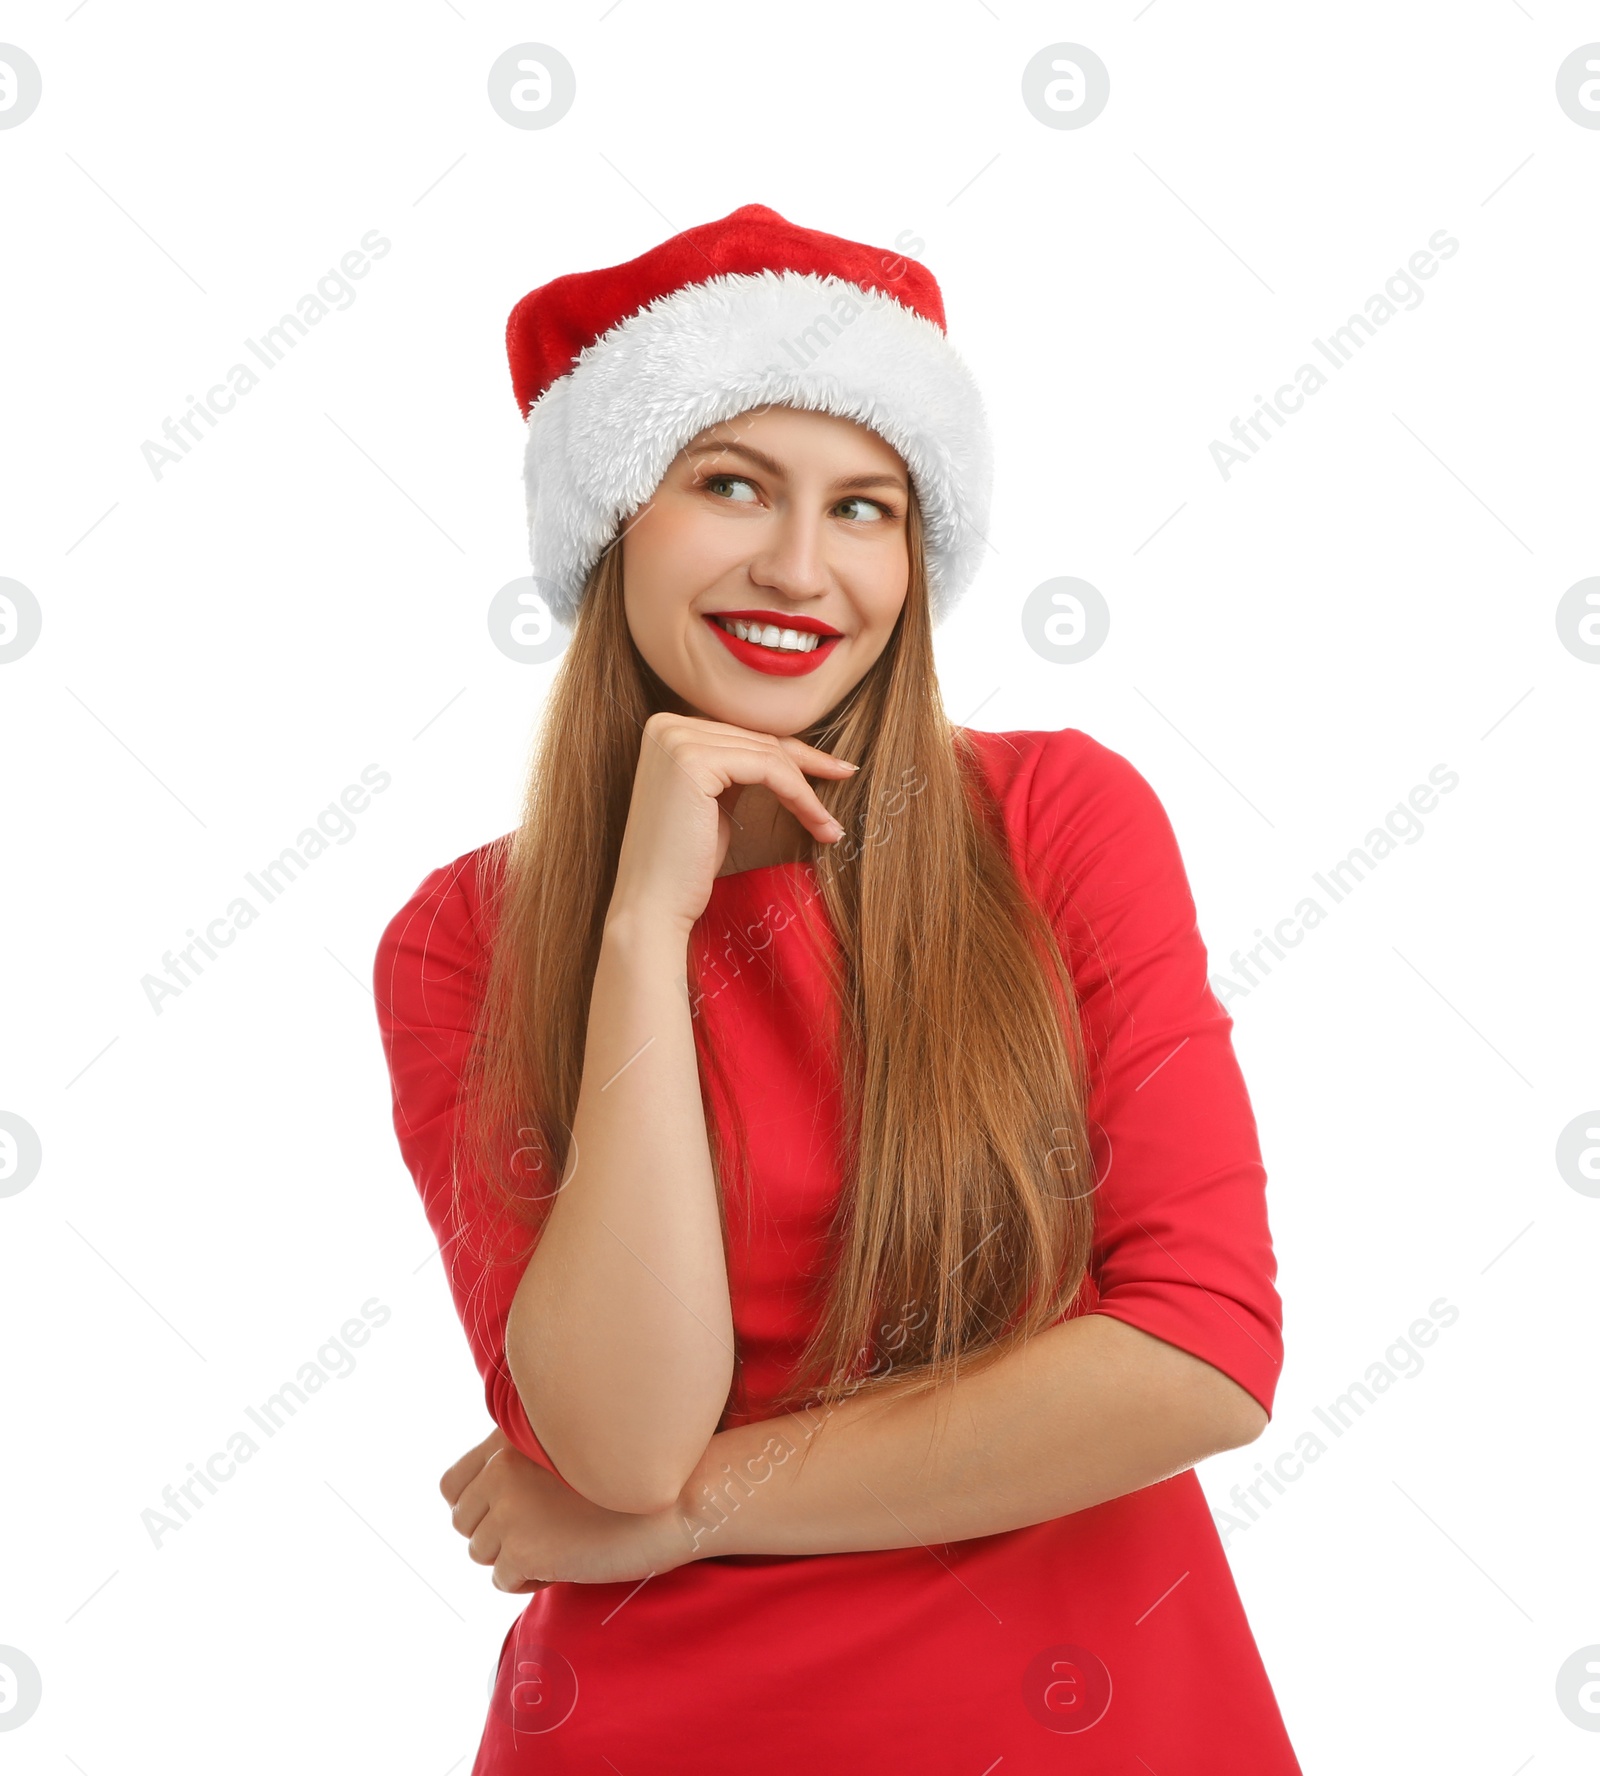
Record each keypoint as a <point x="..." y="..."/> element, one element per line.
<point x="635" y="1493"/>
<point x="623" y="1479"/>
<point x="1244" y="1418"/>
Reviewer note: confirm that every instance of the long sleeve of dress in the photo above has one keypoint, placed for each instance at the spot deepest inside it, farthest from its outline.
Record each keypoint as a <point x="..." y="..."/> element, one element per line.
<point x="428" y="981"/>
<point x="1183" y="1249"/>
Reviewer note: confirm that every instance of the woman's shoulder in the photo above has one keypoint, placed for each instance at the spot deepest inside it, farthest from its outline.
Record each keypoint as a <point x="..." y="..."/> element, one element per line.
<point x="450" y="911"/>
<point x="1077" y="812"/>
<point x="1043" y="778"/>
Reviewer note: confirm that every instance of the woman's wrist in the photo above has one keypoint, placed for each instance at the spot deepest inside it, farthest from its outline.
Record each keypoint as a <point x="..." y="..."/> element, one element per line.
<point x="642" y="931"/>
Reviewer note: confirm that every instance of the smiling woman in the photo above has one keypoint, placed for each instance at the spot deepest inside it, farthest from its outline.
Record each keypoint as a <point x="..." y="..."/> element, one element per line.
<point x="796" y="1268"/>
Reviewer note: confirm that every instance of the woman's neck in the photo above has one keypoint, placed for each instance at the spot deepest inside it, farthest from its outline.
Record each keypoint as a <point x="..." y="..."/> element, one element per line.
<point x="764" y="832"/>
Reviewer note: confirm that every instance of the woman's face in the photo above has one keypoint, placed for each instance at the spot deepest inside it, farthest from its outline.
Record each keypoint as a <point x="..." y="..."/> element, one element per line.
<point x="779" y="519"/>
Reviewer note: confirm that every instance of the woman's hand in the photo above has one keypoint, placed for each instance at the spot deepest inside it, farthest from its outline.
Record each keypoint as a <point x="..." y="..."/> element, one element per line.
<point x="691" y="774"/>
<point x="535" y="1531"/>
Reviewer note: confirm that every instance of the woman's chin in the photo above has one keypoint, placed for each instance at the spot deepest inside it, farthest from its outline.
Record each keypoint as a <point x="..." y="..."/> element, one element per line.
<point x="775" y="706"/>
<point x="760" y="718"/>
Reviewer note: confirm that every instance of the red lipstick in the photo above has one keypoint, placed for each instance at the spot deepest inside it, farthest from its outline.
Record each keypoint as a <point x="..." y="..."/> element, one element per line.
<point x="780" y="663"/>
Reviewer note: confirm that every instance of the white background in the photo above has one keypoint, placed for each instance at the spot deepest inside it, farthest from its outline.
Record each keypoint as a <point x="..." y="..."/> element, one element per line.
<point x="1291" y="650"/>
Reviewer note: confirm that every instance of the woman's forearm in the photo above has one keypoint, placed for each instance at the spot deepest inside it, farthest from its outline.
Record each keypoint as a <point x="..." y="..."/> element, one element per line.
<point x="1088" y="1410"/>
<point x="620" y="1338"/>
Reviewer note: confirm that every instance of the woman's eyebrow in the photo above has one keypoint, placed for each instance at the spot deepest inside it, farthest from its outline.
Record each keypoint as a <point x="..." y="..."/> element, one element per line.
<point x="881" y="478"/>
<point x="758" y="457"/>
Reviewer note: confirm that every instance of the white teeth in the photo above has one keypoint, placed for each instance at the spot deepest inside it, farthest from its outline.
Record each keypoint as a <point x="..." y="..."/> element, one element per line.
<point x="794" y="641"/>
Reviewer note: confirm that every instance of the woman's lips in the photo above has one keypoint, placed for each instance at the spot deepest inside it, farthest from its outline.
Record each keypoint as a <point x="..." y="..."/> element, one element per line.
<point x="780" y="662"/>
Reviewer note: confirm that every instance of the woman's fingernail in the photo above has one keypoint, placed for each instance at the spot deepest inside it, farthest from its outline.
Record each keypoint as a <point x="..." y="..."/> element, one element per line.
<point x="834" y="830"/>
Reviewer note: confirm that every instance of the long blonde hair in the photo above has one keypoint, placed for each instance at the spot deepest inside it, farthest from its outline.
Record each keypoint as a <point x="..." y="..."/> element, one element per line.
<point x="965" y="1221"/>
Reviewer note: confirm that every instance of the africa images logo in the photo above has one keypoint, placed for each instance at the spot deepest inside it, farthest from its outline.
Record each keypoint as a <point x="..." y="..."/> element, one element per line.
<point x="334" y="290"/>
<point x="1401" y="290"/>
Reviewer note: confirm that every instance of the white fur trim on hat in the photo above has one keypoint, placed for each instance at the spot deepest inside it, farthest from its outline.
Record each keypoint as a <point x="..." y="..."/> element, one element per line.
<point x="601" y="437"/>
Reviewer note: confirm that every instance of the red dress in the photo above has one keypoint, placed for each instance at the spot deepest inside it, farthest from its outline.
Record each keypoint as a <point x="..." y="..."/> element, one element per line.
<point x="1109" y="1642"/>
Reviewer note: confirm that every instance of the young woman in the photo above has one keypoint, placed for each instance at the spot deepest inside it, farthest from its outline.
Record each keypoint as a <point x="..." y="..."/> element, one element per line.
<point x="845" y="1177"/>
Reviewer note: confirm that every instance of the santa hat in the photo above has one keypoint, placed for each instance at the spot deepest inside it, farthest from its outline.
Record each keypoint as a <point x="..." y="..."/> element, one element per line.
<point x="617" y="369"/>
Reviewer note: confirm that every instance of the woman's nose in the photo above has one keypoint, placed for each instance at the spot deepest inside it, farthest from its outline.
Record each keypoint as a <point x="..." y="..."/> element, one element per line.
<point x="792" y="561"/>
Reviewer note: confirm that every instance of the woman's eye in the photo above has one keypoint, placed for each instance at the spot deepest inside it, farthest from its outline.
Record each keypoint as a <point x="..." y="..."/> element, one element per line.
<point x="720" y="483"/>
<point x="870" y="509"/>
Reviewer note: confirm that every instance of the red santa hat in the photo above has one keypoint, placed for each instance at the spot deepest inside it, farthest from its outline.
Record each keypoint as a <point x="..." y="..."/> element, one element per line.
<point x="617" y="369"/>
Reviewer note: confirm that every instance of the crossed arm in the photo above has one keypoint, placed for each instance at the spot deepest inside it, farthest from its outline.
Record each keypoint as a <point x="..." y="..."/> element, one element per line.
<point x="1090" y="1409"/>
